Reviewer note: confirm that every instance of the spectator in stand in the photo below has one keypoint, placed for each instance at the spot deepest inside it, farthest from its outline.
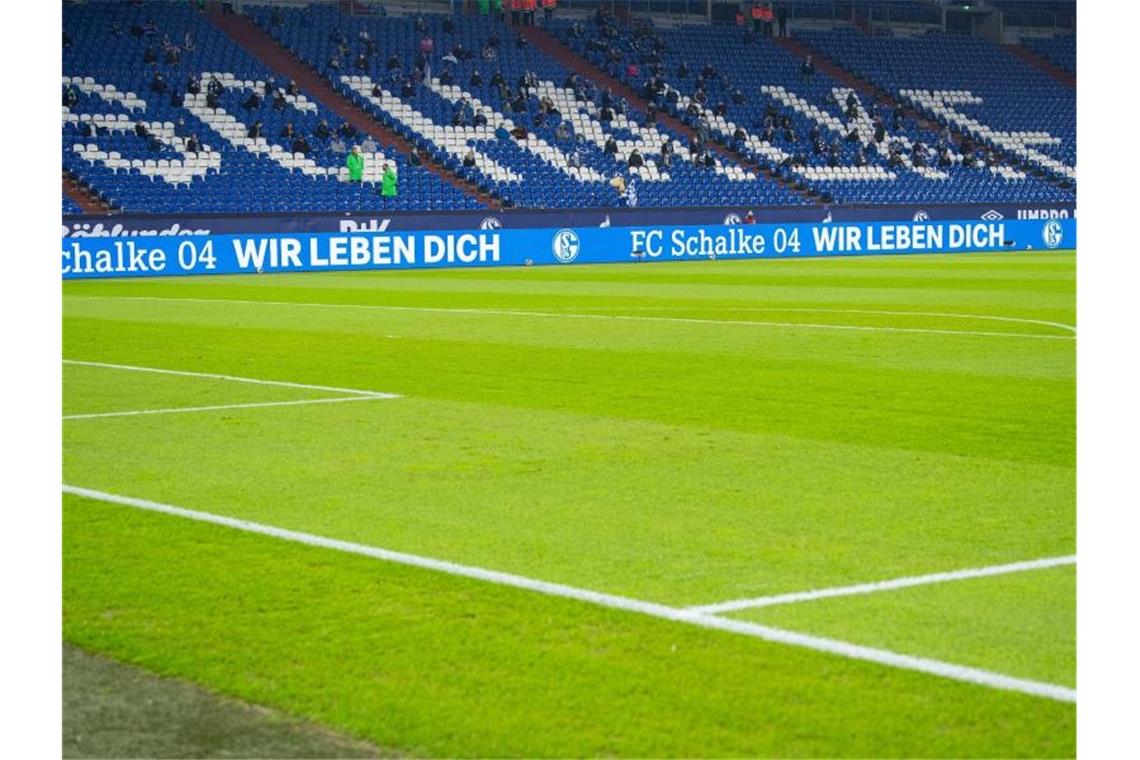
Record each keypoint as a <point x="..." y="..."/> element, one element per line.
<point x="355" y="164"/>
<point x="322" y="130"/>
<point x="193" y="85"/>
<point x="337" y="145"/>
<point x="520" y="41"/>
<point x="469" y="159"/>
<point x="408" y="89"/>
<point x="682" y="71"/>
<point x="193" y="145"/>
<point x="288" y="130"/>
<point x="279" y="102"/>
<point x="346" y="130"/>
<point x="149" y="55"/>
<point x="427" y="45"/>
<point x="252" y="102"/>
<point x="176" y="99"/>
<point x="446" y="77"/>
<point x="610" y="146"/>
<point x="807" y="69"/>
<point x="255" y="130"/>
<point x="757" y="13"/>
<point x="141" y="130"/>
<point x="497" y="79"/>
<point x="388" y="183"/>
<point x="334" y="63"/>
<point x="368" y="145"/>
<point x="548" y="7"/>
<point x="782" y="17"/>
<point x="70" y="96"/>
<point x="635" y="159"/>
<point x="301" y="145"/>
<point x="618" y="184"/>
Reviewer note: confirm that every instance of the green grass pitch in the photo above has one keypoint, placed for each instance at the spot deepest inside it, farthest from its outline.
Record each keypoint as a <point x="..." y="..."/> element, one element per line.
<point x="682" y="434"/>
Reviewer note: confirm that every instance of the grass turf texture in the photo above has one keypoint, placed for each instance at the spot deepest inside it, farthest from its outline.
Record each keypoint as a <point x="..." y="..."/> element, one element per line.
<point x="682" y="462"/>
<point x="114" y="710"/>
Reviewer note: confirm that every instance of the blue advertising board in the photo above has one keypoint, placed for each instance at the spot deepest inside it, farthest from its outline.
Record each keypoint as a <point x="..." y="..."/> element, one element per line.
<point x="380" y="220"/>
<point x="167" y="255"/>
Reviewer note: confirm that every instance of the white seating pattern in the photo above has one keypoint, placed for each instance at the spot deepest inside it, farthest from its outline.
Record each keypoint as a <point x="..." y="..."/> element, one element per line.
<point x="942" y="102"/>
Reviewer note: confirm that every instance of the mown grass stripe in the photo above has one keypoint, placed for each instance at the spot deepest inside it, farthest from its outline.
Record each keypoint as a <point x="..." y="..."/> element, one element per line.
<point x="617" y="317"/>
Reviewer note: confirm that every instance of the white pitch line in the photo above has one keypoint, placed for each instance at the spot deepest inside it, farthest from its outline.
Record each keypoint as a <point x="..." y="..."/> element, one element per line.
<point x="831" y="646"/>
<point x="232" y="378"/>
<point x="735" y="605"/>
<point x="219" y="407"/>
<point x="618" y="317"/>
<point x="880" y="312"/>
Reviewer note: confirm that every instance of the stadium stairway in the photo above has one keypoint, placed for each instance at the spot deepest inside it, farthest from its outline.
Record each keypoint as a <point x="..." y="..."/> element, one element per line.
<point x="83" y="197"/>
<point x="1041" y="63"/>
<point x="275" y="57"/>
<point x="554" y="48"/>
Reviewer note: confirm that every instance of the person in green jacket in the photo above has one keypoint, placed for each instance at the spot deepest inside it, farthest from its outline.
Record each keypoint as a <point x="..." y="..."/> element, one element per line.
<point x="485" y="7"/>
<point x="388" y="182"/>
<point x="355" y="164"/>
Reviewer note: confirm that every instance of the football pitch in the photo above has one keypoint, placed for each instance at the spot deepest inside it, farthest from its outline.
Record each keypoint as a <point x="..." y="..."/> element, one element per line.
<point x="718" y="508"/>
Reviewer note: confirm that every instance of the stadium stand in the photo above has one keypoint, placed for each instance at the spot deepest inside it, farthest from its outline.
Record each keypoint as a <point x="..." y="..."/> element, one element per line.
<point x="762" y="67"/>
<point x="71" y="207"/>
<point x="990" y="128"/>
<point x="978" y="90"/>
<point x="112" y="93"/>
<point x="527" y="170"/>
<point x="1060" y="50"/>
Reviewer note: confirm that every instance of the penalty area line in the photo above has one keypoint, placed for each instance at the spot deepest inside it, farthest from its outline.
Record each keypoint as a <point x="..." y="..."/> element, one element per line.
<point x="845" y="649"/>
<point x="220" y="407"/>
<point x="735" y="605"/>
<point x="230" y="378"/>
